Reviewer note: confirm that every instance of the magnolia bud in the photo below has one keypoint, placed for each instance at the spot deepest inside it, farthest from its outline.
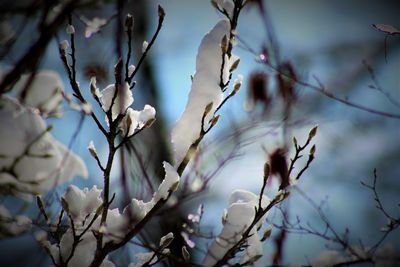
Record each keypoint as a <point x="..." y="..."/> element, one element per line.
<point x="312" y="132"/>
<point x="144" y="46"/>
<point x="64" y="45"/>
<point x="224" y="44"/>
<point x="185" y="254"/>
<point x="267" y="233"/>
<point x="129" y="22"/>
<point x="131" y="69"/>
<point x="258" y="89"/>
<point x="161" y="11"/>
<point x="279" y="166"/>
<point x="214" y="120"/>
<point x="93" y="89"/>
<point x="214" y="4"/>
<point x="237" y="84"/>
<point x="312" y="150"/>
<point x="295" y="141"/>
<point x="208" y="108"/>
<point x="92" y="149"/>
<point x="70" y="29"/>
<point x="166" y="240"/>
<point x="234" y="65"/>
<point x="149" y="123"/>
<point x="224" y="216"/>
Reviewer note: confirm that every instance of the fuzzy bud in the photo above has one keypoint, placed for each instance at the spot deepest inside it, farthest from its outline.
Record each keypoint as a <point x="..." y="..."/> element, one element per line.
<point x="208" y="108"/>
<point x="235" y="64"/>
<point x="224" y="44"/>
<point x="237" y="84"/>
<point x="224" y="216"/>
<point x="149" y="123"/>
<point x="131" y="69"/>
<point x="93" y="88"/>
<point x="267" y="233"/>
<point x="185" y="254"/>
<point x="144" y="46"/>
<point x="166" y="240"/>
<point x="214" y="120"/>
<point x="70" y="29"/>
<point x="161" y="11"/>
<point x="312" y="132"/>
<point x="279" y="167"/>
<point x="312" y="151"/>
<point x="295" y="141"/>
<point x="129" y="22"/>
<point x="64" y="45"/>
<point x="92" y="149"/>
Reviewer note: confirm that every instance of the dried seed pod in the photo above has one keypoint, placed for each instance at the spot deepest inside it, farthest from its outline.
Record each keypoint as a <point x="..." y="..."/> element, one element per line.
<point x="279" y="166"/>
<point x="258" y="89"/>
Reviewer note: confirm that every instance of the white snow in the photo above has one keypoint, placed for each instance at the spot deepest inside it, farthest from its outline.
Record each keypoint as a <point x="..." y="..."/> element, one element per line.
<point x="122" y="101"/>
<point x="169" y="184"/>
<point x="239" y="216"/>
<point x="205" y="89"/>
<point x="135" y="119"/>
<point x="137" y="209"/>
<point x="49" y="162"/>
<point x="144" y="46"/>
<point x="12" y="226"/>
<point x="81" y="203"/>
<point x="93" y="26"/>
<point x="44" y="93"/>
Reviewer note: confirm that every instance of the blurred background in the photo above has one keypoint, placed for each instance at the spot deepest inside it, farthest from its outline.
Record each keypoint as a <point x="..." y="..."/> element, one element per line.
<point x="326" y="39"/>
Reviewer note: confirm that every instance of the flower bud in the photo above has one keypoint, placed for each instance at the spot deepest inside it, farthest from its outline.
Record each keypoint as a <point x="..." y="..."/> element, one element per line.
<point x="149" y="123"/>
<point x="312" y="150"/>
<point x="267" y="233"/>
<point x="279" y="166"/>
<point x="92" y="149"/>
<point x="129" y="22"/>
<point x="235" y="64"/>
<point x="208" y="108"/>
<point x="214" y="120"/>
<point x="224" y="44"/>
<point x="144" y="46"/>
<point x="131" y="69"/>
<point x="64" y="45"/>
<point x="185" y="254"/>
<point x="70" y="29"/>
<point x="161" y="11"/>
<point x="93" y="89"/>
<point x="312" y="132"/>
<point x="237" y="84"/>
<point x="166" y="240"/>
<point x="224" y="216"/>
<point x="295" y="141"/>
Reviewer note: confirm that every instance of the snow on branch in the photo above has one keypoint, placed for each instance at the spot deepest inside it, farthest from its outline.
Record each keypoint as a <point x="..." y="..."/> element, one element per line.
<point x="33" y="161"/>
<point x="205" y="89"/>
